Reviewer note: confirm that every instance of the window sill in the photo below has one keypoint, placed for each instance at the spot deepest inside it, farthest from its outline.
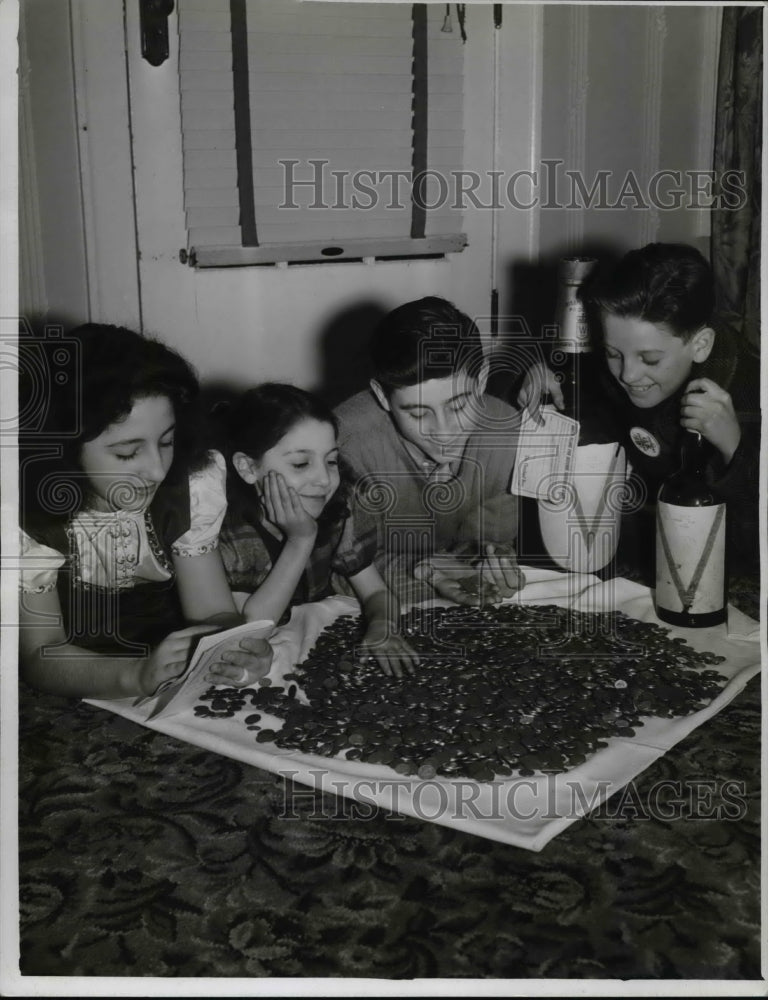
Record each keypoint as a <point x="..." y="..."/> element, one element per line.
<point x="324" y="253"/>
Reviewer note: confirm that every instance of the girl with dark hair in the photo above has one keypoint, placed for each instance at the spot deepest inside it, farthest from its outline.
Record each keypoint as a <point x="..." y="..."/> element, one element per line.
<point x="120" y="527"/>
<point x="289" y="526"/>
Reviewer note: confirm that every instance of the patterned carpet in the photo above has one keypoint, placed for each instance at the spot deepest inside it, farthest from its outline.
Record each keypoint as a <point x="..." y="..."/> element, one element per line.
<point x="144" y="856"/>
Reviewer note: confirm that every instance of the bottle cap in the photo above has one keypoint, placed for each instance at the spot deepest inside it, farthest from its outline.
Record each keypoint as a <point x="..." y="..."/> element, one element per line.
<point x="576" y="269"/>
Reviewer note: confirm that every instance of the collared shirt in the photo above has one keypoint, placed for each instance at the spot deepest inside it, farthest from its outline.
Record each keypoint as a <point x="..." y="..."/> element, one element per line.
<point x="435" y="471"/>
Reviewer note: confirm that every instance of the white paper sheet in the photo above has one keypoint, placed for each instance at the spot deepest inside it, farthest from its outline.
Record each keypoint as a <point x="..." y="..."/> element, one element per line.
<point x="525" y="812"/>
<point x="183" y="693"/>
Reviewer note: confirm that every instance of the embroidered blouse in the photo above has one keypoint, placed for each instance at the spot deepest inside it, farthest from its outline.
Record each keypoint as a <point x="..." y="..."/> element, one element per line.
<point x="118" y="550"/>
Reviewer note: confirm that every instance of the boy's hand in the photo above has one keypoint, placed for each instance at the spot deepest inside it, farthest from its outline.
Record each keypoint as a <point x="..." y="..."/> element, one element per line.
<point x="501" y="571"/>
<point x="539" y="381"/>
<point x="708" y="409"/>
<point x="284" y="508"/>
<point x="244" y="664"/>
<point x="393" y="654"/>
<point x="456" y="579"/>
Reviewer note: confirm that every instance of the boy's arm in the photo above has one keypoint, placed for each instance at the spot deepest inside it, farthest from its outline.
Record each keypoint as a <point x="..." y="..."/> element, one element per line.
<point x="381" y="611"/>
<point x="350" y="442"/>
<point x="739" y="478"/>
<point x="736" y="469"/>
<point x="539" y="382"/>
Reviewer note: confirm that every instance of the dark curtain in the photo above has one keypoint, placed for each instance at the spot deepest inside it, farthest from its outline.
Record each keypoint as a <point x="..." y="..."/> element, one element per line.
<point x="735" y="250"/>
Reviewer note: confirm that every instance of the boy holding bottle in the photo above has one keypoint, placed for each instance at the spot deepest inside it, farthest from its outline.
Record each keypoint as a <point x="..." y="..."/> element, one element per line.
<point x="663" y="376"/>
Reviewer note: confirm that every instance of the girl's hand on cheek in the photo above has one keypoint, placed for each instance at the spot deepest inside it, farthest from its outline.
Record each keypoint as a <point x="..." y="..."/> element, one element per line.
<point x="284" y="508"/>
<point x="708" y="409"/>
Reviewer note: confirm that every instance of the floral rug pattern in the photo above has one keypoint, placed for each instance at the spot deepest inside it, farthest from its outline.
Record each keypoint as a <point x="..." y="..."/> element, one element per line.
<point x="144" y="856"/>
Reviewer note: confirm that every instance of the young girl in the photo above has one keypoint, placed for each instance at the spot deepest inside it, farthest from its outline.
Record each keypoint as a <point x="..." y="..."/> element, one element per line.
<point x="288" y="526"/>
<point x="119" y="539"/>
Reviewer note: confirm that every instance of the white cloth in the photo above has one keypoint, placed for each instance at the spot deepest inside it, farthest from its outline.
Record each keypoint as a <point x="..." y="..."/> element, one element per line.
<point x="526" y="812"/>
<point x="115" y="549"/>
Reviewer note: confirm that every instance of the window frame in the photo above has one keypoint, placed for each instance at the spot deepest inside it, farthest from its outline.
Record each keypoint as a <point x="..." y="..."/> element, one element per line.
<point x="416" y="246"/>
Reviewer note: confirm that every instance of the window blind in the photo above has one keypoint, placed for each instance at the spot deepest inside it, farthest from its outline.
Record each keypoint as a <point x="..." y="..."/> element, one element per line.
<point x="304" y="126"/>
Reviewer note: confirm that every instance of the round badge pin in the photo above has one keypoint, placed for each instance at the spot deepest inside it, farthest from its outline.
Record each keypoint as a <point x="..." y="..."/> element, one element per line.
<point x="645" y="442"/>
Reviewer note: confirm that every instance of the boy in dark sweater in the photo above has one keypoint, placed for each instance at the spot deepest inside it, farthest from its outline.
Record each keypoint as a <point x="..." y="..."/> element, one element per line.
<point x="665" y="374"/>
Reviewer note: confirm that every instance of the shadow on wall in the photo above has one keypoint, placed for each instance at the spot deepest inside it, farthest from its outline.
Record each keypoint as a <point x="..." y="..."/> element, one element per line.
<point x="343" y="347"/>
<point x="345" y="367"/>
<point x="45" y="356"/>
<point x="526" y="332"/>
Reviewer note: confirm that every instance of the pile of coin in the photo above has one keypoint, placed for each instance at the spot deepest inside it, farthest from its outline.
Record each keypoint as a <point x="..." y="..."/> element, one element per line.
<point x="498" y="691"/>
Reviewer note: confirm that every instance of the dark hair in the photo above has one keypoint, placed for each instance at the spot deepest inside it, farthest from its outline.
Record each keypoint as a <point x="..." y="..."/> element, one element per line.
<point x="261" y="417"/>
<point x="255" y="422"/>
<point x="425" y="339"/>
<point x="669" y="283"/>
<point x="108" y="369"/>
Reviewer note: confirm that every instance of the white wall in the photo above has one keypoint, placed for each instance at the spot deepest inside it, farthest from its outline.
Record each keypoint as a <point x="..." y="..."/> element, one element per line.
<point x="616" y="88"/>
<point x="601" y="87"/>
<point x="627" y="89"/>
<point x="52" y="238"/>
<point x="257" y="323"/>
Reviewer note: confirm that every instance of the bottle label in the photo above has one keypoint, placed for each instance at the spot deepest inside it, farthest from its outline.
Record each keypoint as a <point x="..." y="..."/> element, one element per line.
<point x="690" y="558"/>
<point x="571" y="317"/>
<point x="573" y="335"/>
<point x="580" y="520"/>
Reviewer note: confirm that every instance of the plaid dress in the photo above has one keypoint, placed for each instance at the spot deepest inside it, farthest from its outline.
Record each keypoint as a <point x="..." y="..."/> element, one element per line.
<point x="250" y="546"/>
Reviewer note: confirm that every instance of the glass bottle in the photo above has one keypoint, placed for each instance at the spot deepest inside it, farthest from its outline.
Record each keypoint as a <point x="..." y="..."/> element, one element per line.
<point x="573" y="359"/>
<point x="690" y="544"/>
<point x="575" y="526"/>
